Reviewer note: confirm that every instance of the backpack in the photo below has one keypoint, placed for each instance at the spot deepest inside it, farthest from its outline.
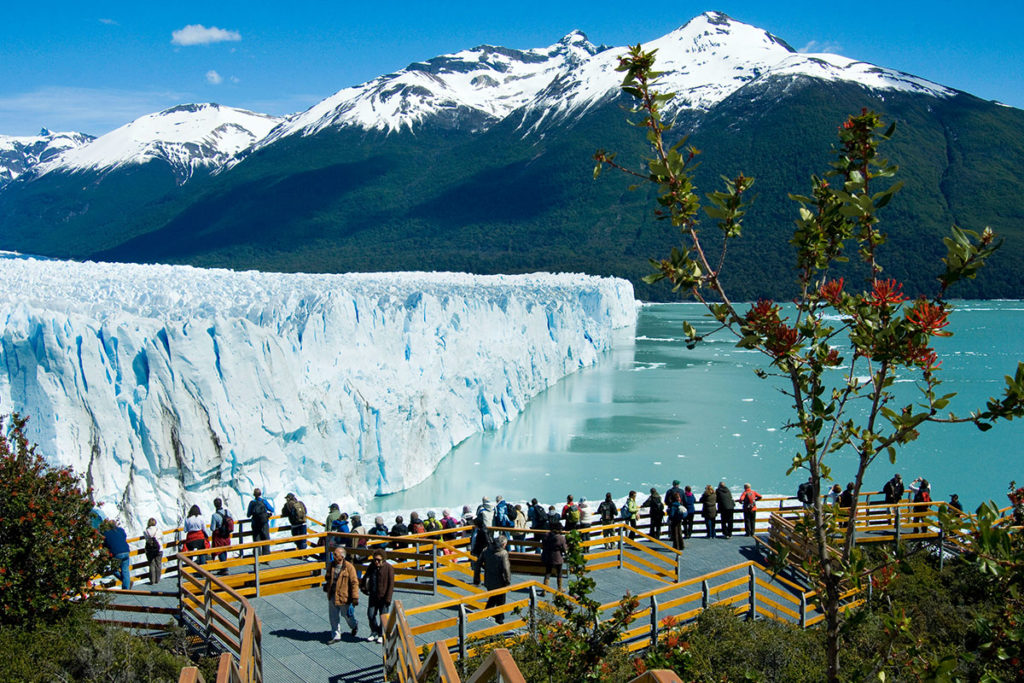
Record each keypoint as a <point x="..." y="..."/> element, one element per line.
<point x="417" y="528"/>
<point x="805" y="492"/>
<point x="227" y="525"/>
<point x="260" y="516"/>
<point x="298" y="512"/>
<point x="448" y="523"/>
<point x="153" y="546"/>
<point x="540" y="516"/>
<point x="607" y="511"/>
<point x="572" y="515"/>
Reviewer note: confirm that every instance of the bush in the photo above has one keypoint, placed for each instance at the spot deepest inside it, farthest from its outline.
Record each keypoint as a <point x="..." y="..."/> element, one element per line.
<point x="76" y="648"/>
<point x="48" y="548"/>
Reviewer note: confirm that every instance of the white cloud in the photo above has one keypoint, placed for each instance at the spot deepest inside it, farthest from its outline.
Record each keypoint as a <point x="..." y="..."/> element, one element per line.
<point x="88" y="110"/>
<point x="827" y="46"/>
<point x="236" y="79"/>
<point x="109" y="22"/>
<point x="197" y="34"/>
<point x="214" y="78"/>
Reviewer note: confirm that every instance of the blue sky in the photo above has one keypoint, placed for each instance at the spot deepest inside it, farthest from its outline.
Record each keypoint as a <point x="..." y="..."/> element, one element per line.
<point x="93" y="66"/>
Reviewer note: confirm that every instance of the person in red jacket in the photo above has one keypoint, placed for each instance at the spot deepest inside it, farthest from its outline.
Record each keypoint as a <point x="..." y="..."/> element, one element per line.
<point x="342" y="588"/>
<point x="748" y="501"/>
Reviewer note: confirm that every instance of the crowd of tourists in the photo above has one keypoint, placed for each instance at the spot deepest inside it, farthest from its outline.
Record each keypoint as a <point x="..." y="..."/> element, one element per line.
<point x="492" y="528"/>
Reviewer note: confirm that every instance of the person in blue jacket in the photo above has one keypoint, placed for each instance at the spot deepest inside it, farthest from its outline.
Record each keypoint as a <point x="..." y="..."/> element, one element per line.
<point x="690" y="503"/>
<point x="116" y="542"/>
<point x="259" y="512"/>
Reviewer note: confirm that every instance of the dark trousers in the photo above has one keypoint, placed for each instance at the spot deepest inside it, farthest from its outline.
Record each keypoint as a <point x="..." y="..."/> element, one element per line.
<point x="675" y="531"/>
<point x="373" y="615"/>
<point x="497" y="601"/>
<point x="688" y="526"/>
<point x="709" y="525"/>
<point x="656" y="526"/>
<point x="748" y="521"/>
<point x="727" y="523"/>
<point x="299" y="530"/>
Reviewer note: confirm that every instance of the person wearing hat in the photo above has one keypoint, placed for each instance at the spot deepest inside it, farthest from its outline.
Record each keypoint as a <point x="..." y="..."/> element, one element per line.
<point x="259" y="511"/>
<point x="295" y="510"/>
<point x="432" y="524"/>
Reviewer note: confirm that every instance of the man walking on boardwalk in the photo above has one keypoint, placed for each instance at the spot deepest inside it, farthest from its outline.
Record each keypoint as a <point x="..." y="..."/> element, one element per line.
<point x="497" y="573"/>
<point x="295" y="510"/>
<point x="342" y="588"/>
<point x="378" y="583"/>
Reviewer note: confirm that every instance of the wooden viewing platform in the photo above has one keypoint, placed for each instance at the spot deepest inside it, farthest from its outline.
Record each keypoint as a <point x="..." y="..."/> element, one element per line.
<point x="268" y="613"/>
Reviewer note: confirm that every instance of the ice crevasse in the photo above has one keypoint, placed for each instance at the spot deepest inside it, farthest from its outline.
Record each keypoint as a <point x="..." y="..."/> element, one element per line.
<point x="169" y="385"/>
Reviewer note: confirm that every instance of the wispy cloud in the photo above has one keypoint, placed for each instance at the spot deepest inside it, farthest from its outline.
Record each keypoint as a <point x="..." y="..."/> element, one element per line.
<point x="826" y="46"/>
<point x="109" y="22"/>
<point x="214" y="78"/>
<point x="88" y="110"/>
<point x="197" y="34"/>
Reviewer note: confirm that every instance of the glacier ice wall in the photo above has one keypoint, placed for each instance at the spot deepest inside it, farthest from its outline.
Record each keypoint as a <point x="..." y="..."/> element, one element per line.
<point x="170" y="385"/>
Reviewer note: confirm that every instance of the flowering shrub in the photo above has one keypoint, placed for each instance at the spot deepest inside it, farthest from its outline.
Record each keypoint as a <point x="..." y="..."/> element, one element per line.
<point x="48" y="548"/>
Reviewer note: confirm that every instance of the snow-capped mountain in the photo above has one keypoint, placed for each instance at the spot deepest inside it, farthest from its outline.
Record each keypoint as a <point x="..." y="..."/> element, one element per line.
<point x="471" y="89"/>
<point x="167" y="386"/>
<point x="188" y="137"/>
<point x="22" y="153"/>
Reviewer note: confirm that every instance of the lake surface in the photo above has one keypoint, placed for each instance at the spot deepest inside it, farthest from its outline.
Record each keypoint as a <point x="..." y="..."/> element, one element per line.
<point x="652" y="411"/>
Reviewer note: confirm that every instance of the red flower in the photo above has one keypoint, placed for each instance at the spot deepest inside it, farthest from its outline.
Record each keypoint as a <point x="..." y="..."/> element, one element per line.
<point x="764" y="310"/>
<point x="931" y="318"/>
<point x="832" y="291"/>
<point x="781" y="339"/>
<point x="887" y="292"/>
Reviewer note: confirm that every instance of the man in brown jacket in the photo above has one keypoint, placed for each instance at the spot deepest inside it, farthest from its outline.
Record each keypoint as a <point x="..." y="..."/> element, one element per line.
<point x="378" y="583"/>
<point x="342" y="588"/>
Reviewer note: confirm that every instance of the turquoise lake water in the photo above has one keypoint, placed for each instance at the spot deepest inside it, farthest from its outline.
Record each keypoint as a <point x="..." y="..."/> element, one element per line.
<point x="651" y="411"/>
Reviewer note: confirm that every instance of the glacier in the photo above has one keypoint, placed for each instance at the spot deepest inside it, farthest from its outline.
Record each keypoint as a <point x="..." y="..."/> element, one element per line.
<point x="169" y="385"/>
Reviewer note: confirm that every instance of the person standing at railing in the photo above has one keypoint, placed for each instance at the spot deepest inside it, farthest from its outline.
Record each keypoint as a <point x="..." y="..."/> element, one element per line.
<point x="845" y="504"/>
<point x="676" y="514"/>
<point x="342" y="588"/>
<point x="893" y="491"/>
<point x="399" y="529"/>
<point x="195" y="533"/>
<point x="497" y="573"/>
<point x="333" y="513"/>
<point x="748" y="502"/>
<point x="154" y="551"/>
<point x="657" y="508"/>
<point x="606" y="512"/>
<point x="631" y="512"/>
<point x="519" y="524"/>
<point x="922" y="494"/>
<point x="805" y="493"/>
<point x="378" y="585"/>
<point x="295" y="510"/>
<point x="259" y="511"/>
<point x="116" y="542"/>
<point x="726" y="506"/>
<point x="222" y="525"/>
<point x="954" y="502"/>
<point x="709" y="509"/>
<point x="690" y="505"/>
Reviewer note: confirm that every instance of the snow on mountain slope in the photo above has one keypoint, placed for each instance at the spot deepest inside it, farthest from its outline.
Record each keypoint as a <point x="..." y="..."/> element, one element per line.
<point x="19" y="154"/>
<point x="479" y="86"/>
<point x="187" y="137"/>
<point x="704" y="62"/>
<point x="168" y="386"/>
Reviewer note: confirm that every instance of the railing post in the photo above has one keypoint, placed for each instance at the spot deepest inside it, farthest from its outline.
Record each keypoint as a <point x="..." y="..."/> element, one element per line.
<point x="752" y="587"/>
<point x="654" y="621"/>
<point x="433" y="568"/>
<point x="462" y="633"/>
<point x="207" y="610"/>
<point x="679" y="568"/>
<point x="533" y="611"/>
<point x="256" y="569"/>
<point x="897" y="524"/>
<point x="942" y="543"/>
<point x="705" y="594"/>
<point x="803" y="610"/>
<point x="621" y="534"/>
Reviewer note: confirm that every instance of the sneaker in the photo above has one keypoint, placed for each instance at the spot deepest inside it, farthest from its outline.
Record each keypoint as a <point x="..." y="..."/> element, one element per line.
<point x="333" y="640"/>
<point x="355" y="629"/>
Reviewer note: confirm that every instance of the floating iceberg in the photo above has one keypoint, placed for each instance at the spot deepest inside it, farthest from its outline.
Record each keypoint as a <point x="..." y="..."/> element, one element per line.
<point x="169" y="385"/>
